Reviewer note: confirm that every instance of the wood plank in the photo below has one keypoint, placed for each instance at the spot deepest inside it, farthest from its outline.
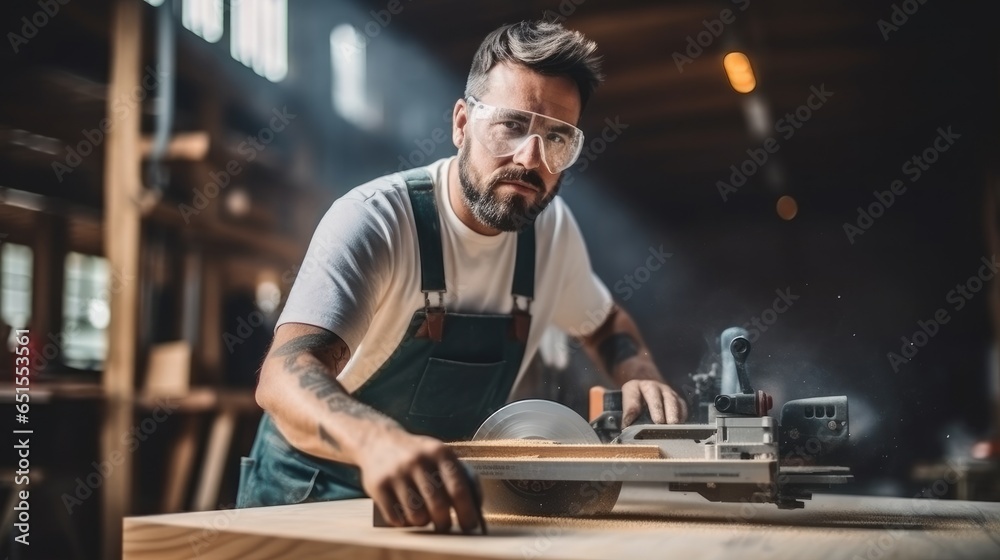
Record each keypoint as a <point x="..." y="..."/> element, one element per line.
<point x="646" y="523"/>
<point x="122" y="185"/>
<point x="519" y="448"/>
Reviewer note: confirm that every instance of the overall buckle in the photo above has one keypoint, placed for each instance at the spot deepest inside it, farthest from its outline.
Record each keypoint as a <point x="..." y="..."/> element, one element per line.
<point x="434" y="318"/>
<point x="521" y="320"/>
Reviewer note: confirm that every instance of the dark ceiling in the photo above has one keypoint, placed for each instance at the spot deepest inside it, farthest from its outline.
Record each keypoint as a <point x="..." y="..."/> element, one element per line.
<point x="686" y="126"/>
<point x="891" y="89"/>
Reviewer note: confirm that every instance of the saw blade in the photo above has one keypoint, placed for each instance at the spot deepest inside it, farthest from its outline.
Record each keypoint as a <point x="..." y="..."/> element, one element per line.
<point x="543" y="420"/>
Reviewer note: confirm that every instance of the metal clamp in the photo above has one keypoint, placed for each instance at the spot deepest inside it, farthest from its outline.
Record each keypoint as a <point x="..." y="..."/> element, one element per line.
<point x="427" y="300"/>
<point x="527" y="305"/>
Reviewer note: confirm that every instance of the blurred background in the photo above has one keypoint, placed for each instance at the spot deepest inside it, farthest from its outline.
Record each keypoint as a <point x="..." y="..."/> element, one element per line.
<point x="825" y="175"/>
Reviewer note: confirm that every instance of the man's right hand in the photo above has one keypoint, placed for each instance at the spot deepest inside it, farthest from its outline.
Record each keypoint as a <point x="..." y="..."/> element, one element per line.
<point x="415" y="480"/>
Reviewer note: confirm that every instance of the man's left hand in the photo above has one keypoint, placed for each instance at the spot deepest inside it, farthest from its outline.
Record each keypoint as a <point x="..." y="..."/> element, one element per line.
<point x="664" y="404"/>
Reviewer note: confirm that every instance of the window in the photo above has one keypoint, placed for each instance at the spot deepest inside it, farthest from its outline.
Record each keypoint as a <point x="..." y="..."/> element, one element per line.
<point x="259" y="35"/>
<point x="348" y="57"/>
<point x="203" y="18"/>
<point x="86" y="311"/>
<point x="15" y="286"/>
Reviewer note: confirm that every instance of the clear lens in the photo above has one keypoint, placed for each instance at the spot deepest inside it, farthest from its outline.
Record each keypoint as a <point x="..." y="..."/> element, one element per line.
<point x="503" y="131"/>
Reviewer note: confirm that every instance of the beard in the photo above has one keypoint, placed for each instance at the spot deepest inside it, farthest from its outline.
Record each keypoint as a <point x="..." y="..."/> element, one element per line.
<point x="513" y="212"/>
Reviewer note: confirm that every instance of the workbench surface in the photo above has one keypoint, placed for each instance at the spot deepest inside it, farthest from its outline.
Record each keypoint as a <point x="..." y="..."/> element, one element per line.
<point x="646" y="523"/>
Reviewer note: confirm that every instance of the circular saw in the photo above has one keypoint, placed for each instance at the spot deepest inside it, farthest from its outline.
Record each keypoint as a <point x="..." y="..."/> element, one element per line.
<point x="546" y="421"/>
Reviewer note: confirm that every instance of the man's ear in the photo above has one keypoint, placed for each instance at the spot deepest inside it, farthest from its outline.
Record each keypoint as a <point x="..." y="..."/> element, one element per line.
<point x="459" y="119"/>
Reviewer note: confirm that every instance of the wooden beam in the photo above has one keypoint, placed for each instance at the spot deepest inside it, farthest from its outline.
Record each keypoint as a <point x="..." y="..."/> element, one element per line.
<point x="49" y="256"/>
<point x="122" y="185"/>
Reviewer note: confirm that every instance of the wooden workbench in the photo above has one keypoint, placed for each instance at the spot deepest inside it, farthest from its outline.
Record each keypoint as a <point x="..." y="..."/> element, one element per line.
<point x="645" y="524"/>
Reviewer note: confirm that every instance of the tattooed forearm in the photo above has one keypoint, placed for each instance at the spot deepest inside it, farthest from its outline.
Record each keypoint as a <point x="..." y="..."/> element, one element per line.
<point x="302" y="358"/>
<point x="615" y="349"/>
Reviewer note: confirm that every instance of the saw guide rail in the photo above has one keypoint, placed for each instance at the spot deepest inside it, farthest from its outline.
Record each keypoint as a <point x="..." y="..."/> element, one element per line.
<point x="539" y="458"/>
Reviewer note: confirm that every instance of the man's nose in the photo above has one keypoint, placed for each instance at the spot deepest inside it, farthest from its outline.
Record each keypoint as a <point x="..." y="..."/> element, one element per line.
<point x="529" y="153"/>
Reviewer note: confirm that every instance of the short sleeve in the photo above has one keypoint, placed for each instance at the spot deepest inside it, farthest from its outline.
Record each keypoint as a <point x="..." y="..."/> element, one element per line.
<point x="344" y="272"/>
<point x="583" y="302"/>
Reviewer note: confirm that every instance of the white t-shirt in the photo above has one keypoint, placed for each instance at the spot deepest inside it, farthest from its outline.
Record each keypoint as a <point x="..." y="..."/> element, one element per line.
<point x="361" y="275"/>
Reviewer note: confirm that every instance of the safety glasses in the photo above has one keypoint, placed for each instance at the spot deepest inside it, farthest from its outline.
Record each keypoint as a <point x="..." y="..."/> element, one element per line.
<point x="503" y="131"/>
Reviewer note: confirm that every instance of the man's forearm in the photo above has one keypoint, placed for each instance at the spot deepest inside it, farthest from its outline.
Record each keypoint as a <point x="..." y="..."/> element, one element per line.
<point x="618" y="348"/>
<point x="298" y="387"/>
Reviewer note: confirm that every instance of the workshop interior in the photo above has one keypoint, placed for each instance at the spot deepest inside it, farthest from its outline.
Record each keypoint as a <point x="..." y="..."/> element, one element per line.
<point x="797" y="202"/>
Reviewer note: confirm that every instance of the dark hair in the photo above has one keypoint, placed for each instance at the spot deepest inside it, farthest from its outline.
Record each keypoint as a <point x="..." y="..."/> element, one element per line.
<point x="546" y="48"/>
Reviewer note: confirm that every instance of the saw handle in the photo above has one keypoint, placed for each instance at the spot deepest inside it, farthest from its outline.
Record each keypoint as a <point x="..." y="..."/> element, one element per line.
<point x="740" y="347"/>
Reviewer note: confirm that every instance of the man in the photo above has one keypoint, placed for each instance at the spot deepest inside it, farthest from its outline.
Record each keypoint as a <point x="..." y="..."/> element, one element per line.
<point x="423" y="295"/>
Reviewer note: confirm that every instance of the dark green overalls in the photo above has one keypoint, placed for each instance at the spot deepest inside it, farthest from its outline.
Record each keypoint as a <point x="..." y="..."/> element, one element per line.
<point x="449" y="373"/>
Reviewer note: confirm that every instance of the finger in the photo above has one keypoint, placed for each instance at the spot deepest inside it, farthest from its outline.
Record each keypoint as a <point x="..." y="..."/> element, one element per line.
<point x="410" y="503"/>
<point x="429" y="482"/>
<point x="385" y="500"/>
<point x="654" y="402"/>
<point x="684" y="407"/>
<point x="631" y="403"/>
<point x="673" y="406"/>
<point x="460" y="493"/>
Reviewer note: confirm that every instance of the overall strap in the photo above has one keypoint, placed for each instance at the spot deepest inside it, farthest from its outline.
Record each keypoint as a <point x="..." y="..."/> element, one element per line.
<point x="524" y="265"/>
<point x="420" y="187"/>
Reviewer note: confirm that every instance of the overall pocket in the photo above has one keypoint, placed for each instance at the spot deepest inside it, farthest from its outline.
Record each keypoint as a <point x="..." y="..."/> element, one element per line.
<point x="274" y="474"/>
<point x="450" y="389"/>
<point x="283" y="479"/>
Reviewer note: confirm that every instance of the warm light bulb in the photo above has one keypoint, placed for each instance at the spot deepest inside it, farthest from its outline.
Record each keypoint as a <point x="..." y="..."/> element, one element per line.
<point x="787" y="208"/>
<point x="739" y="72"/>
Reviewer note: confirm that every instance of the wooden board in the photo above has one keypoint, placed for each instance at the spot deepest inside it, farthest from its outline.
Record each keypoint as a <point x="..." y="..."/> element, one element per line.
<point x="647" y="523"/>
